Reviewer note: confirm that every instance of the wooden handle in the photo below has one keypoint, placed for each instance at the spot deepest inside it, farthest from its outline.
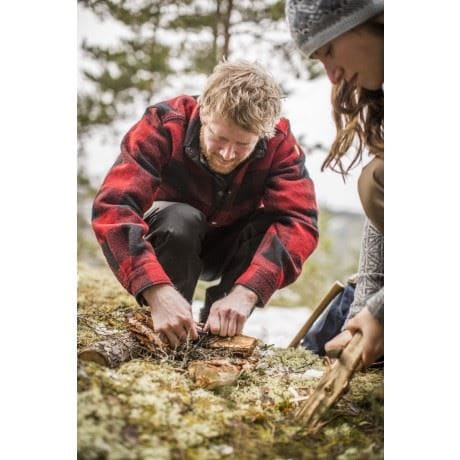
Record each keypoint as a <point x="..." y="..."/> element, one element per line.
<point x="336" y="288"/>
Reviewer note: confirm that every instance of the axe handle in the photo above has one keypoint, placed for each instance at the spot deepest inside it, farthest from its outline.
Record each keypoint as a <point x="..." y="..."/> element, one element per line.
<point x="336" y="288"/>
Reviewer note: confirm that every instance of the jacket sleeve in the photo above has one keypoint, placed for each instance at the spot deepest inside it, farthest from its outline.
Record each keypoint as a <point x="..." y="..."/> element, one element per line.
<point x="126" y="193"/>
<point x="369" y="285"/>
<point x="293" y="236"/>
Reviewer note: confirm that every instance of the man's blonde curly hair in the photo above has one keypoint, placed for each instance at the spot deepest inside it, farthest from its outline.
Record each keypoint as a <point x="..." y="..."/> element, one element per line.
<point x="245" y="94"/>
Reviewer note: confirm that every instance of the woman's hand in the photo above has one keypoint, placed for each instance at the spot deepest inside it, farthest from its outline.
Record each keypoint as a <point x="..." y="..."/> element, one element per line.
<point x="372" y="332"/>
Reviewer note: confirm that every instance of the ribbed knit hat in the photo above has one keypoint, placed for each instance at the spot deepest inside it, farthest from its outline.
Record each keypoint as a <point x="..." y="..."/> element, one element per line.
<point x="313" y="23"/>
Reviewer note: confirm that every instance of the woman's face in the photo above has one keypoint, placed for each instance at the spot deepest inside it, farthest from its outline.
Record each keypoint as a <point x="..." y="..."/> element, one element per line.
<point x="356" y="56"/>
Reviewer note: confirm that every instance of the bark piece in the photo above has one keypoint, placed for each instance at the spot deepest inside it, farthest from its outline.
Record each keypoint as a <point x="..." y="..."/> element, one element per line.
<point x="241" y="345"/>
<point x="151" y="340"/>
<point x="332" y="385"/>
<point x="214" y="373"/>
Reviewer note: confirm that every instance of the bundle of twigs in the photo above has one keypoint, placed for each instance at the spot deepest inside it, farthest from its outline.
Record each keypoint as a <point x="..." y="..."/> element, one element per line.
<point x="140" y="340"/>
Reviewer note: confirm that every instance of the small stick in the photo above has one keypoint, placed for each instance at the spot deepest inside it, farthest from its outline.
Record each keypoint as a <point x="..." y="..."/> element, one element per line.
<point x="336" y="288"/>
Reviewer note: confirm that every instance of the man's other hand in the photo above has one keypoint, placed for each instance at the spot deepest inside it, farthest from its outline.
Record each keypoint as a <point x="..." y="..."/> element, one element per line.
<point x="228" y="315"/>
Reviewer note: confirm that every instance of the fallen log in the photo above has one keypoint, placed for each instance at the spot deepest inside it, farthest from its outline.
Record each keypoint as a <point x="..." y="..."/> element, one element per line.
<point x="112" y="351"/>
<point x="332" y="385"/>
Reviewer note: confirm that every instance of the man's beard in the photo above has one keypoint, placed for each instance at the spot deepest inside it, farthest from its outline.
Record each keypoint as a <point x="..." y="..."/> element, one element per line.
<point x="210" y="158"/>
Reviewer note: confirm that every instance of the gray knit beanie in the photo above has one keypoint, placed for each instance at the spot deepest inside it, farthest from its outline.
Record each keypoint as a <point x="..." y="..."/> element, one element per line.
<point x="313" y="23"/>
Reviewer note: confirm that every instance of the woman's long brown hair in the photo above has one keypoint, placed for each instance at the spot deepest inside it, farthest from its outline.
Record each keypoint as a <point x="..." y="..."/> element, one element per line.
<point x="358" y="114"/>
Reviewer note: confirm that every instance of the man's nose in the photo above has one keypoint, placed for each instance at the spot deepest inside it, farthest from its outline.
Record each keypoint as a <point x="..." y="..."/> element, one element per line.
<point x="334" y="73"/>
<point x="227" y="152"/>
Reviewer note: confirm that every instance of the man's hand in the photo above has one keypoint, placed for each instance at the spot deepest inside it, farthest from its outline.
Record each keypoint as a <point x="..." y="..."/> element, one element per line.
<point x="171" y="314"/>
<point x="372" y="332"/>
<point x="228" y="315"/>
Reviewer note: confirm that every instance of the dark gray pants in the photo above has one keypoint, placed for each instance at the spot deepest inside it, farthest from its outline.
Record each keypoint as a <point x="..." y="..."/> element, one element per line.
<point x="188" y="248"/>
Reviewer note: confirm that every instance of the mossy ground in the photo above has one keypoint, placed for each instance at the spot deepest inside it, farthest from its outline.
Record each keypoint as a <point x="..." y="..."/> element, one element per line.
<point x="152" y="410"/>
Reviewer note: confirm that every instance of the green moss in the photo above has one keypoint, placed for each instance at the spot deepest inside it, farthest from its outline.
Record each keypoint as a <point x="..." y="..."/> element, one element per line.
<point x="146" y="409"/>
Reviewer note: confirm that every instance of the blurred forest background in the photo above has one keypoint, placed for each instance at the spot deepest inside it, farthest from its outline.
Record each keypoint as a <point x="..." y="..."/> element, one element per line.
<point x="161" y="49"/>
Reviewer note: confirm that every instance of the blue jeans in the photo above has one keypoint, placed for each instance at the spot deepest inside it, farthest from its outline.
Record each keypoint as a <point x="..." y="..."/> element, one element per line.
<point x="330" y="323"/>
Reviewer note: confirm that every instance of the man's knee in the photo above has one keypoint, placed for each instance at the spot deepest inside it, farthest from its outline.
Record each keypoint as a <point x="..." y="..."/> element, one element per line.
<point x="177" y="224"/>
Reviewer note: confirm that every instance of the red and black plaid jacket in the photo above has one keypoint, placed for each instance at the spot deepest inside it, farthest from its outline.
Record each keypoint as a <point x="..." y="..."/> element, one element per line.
<point x="160" y="160"/>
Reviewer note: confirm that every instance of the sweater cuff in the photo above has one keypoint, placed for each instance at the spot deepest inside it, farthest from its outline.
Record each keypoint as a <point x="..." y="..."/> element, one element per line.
<point x="375" y="305"/>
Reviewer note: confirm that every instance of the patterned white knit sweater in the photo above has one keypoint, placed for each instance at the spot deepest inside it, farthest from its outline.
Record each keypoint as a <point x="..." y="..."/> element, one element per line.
<point x="369" y="286"/>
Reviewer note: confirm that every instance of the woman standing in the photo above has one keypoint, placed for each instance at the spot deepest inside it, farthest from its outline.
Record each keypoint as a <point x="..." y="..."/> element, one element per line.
<point x="348" y="38"/>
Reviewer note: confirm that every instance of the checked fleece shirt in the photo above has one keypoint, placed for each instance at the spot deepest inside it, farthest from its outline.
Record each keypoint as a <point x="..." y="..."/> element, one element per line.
<point x="160" y="160"/>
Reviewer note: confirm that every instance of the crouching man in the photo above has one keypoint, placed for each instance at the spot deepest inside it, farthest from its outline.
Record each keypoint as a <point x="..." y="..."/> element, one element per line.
<point x="213" y="187"/>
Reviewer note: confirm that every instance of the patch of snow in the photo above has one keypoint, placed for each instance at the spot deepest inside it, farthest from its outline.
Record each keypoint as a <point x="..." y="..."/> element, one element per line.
<point x="312" y="374"/>
<point x="223" y="449"/>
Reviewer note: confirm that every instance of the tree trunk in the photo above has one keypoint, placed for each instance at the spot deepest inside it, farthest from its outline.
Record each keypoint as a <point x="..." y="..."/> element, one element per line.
<point x="215" y="33"/>
<point x="226" y="24"/>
